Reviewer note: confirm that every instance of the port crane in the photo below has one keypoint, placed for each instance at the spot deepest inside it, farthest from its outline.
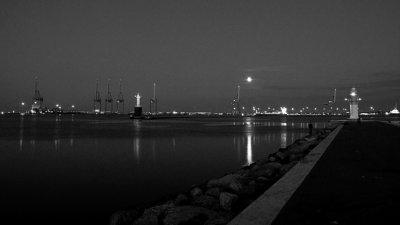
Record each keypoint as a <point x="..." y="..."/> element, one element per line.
<point x="331" y="102"/>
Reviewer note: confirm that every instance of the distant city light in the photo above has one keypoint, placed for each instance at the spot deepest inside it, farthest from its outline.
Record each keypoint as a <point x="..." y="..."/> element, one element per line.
<point x="284" y="110"/>
<point x="249" y="79"/>
<point x="73" y="106"/>
<point x="2" y="113"/>
<point x="22" y="103"/>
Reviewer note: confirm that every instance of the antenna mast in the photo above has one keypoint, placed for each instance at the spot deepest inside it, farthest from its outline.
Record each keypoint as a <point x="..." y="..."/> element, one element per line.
<point x="109" y="99"/>
<point x="120" y="99"/>
<point x="97" y="99"/>
<point x="37" y="99"/>
<point x="153" y="101"/>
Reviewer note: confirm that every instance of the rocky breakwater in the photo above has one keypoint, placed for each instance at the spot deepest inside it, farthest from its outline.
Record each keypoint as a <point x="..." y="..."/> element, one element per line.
<point x="217" y="201"/>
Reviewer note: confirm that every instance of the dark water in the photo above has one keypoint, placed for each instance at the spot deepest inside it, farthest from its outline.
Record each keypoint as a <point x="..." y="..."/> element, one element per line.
<point x="79" y="169"/>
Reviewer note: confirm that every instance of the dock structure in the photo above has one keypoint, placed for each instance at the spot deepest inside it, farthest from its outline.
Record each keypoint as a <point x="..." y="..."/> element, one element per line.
<point x="352" y="179"/>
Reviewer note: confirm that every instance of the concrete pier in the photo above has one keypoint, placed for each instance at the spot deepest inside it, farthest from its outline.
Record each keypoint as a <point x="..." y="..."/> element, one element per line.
<point x="355" y="181"/>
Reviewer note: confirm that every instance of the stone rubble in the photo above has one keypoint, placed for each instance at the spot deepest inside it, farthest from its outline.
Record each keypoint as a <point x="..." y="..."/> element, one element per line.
<point x="217" y="201"/>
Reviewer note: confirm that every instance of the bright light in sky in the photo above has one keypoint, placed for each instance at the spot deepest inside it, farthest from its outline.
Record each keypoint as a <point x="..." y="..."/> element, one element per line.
<point x="249" y="79"/>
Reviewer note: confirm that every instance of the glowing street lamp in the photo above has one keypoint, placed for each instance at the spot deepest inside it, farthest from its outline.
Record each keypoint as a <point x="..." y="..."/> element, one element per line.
<point x="236" y="100"/>
<point x="22" y="108"/>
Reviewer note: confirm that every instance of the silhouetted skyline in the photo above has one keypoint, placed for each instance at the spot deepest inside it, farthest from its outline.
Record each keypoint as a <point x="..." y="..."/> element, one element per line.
<point x="198" y="51"/>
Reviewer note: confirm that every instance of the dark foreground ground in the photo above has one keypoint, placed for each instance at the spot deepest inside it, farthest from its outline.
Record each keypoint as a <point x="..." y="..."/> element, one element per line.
<point x="357" y="180"/>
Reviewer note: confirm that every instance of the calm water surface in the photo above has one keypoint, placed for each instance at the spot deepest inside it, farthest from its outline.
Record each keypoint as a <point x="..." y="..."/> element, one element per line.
<point x="80" y="169"/>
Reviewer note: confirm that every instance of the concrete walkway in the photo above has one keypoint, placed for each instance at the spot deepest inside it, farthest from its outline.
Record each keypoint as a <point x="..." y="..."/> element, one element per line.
<point x="266" y="207"/>
<point x="357" y="181"/>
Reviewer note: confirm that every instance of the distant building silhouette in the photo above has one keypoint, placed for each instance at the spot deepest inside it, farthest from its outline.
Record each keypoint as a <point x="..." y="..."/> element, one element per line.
<point x="236" y="103"/>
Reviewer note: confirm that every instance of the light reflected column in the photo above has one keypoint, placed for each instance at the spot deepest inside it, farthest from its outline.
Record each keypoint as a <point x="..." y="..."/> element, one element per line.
<point x="249" y="150"/>
<point x="283" y="135"/>
<point x="56" y="144"/>
<point x="57" y="133"/>
<point x="173" y="144"/>
<point x="21" y="133"/>
<point x="249" y="121"/>
<point x="136" y="139"/>
<point x="136" y="147"/>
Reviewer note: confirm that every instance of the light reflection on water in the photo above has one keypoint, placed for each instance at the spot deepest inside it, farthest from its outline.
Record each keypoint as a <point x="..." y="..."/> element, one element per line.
<point x="136" y="148"/>
<point x="284" y="137"/>
<point x="249" y="150"/>
<point x="146" y="159"/>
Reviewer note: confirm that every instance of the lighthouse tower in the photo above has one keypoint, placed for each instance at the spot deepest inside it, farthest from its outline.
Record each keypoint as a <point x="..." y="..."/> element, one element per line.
<point x="353" y="100"/>
<point x="138" y="107"/>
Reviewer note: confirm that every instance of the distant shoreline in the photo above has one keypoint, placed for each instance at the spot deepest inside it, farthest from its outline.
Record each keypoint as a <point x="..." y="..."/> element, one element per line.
<point x="199" y="116"/>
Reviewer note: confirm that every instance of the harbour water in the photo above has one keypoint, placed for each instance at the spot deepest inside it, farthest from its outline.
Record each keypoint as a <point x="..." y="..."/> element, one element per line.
<point x="79" y="169"/>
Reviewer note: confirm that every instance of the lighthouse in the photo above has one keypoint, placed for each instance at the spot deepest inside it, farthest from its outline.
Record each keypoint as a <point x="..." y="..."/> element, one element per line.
<point x="353" y="100"/>
<point x="138" y="107"/>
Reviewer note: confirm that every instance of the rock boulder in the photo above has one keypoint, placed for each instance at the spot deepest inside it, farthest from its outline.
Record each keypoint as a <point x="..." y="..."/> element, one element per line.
<point x="227" y="200"/>
<point x="188" y="215"/>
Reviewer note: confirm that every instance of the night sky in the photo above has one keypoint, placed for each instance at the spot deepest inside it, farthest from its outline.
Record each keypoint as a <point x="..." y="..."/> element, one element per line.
<point x="198" y="51"/>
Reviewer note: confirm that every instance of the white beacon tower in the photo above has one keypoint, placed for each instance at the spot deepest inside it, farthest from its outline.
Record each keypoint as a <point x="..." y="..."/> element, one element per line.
<point x="138" y="107"/>
<point x="353" y="100"/>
